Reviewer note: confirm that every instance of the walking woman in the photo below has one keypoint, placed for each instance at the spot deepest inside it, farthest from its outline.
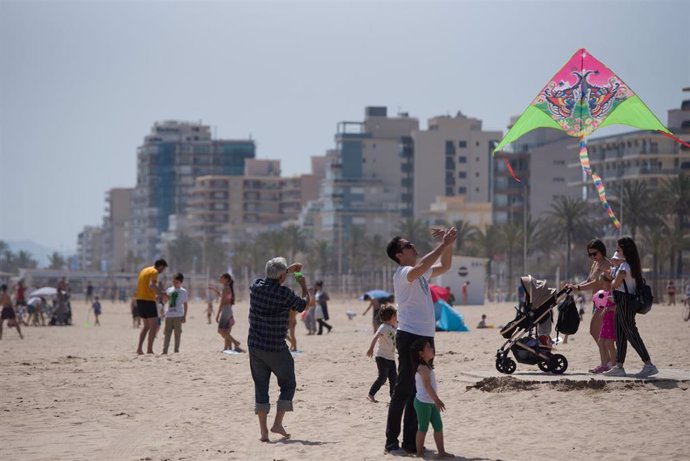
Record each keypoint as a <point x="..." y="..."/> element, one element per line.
<point x="600" y="268"/>
<point x="628" y="278"/>
<point x="225" y="317"/>
<point x="321" y="313"/>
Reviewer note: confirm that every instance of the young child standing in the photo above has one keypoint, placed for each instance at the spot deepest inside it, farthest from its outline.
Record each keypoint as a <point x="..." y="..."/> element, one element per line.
<point x="176" y="314"/>
<point x="96" y="306"/>
<point x="384" y="340"/>
<point x="427" y="404"/>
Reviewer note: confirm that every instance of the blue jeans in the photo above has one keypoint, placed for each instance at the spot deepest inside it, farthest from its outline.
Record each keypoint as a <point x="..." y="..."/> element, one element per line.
<point x="281" y="364"/>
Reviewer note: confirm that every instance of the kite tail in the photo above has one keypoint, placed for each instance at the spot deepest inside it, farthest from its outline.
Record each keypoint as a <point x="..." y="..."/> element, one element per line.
<point x="584" y="161"/>
<point x="678" y="140"/>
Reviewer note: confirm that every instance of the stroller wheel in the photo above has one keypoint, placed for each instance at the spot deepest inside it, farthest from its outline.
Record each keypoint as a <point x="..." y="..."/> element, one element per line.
<point x="558" y="364"/>
<point x="499" y="365"/>
<point x="508" y="366"/>
<point x="544" y="366"/>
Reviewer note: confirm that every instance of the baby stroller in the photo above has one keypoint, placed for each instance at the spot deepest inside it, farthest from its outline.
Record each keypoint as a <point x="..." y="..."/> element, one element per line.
<point x="532" y="314"/>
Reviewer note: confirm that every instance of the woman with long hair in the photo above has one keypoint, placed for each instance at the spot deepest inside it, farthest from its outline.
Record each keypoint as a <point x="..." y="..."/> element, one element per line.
<point x="627" y="278"/>
<point x="600" y="267"/>
<point x="225" y="317"/>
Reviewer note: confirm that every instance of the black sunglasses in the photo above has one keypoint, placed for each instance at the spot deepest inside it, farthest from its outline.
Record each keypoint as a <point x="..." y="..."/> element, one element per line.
<point x="591" y="255"/>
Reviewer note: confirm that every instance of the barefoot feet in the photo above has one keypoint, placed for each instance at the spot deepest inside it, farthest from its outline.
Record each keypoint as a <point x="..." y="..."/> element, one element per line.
<point x="280" y="430"/>
<point x="372" y="399"/>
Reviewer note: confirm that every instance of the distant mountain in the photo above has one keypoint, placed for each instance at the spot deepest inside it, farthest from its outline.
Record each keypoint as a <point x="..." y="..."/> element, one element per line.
<point x="39" y="252"/>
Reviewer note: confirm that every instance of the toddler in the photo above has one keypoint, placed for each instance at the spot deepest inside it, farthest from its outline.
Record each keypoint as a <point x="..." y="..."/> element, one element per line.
<point x="427" y="405"/>
<point x="96" y="306"/>
<point x="384" y="340"/>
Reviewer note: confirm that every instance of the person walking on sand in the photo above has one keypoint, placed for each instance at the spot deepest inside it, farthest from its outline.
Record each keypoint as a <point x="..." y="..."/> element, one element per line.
<point x="416" y="320"/>
<point x="7" y="311"/>
<point x="598" y="271"/>
<point x="96" y="307"/>
<point x="384" y="341"/>
<point x="321" y="313"/>
<point x="176" y="314"/>
<point x="269" y="305"/>
<point x="225" y="318"/>
<point x="671" y="292"/>
<point x="628" y="278"/>
<point x="146" y="295"/>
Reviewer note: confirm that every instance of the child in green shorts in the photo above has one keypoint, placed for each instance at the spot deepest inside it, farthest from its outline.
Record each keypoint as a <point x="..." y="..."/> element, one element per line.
<point x="427" y="405"/>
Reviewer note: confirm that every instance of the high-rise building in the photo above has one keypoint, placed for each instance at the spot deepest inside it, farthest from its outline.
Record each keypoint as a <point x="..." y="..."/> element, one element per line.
<point x="117" y="214"/>
<point x="173" y="155"/>
<point x="452" y="157"/>
<point x="90" y="248"/>
<point x="364" y="177"/>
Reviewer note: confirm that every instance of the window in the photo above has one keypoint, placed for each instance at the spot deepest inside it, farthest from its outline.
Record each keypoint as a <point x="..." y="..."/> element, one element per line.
<point x="462" y="159"/>
<point x="462" y="144"/>
<point x="558" y="179"/>
<point x="462" y="174"/>
<point x="476" y="175"/>
<point x="462" y="190"/>
<point x="449" y="192"/>
<point x="476" y="189"/>
<point x="450" y="148"/>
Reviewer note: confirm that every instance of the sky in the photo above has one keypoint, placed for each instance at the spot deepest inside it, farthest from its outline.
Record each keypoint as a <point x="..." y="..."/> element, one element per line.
<point x="81" y="83"/>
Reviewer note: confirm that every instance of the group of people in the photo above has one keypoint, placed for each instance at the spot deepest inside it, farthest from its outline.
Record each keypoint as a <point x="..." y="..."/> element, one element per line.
<point x="614" y="283"/>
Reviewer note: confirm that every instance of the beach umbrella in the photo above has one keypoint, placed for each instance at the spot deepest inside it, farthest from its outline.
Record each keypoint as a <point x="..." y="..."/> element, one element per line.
<point x="45" y="291"/>
<point x="375" y="294"/>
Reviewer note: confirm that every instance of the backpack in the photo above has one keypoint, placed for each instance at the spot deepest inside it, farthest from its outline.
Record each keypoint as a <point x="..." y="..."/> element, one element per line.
<point x="645" y="298"/>
<point x="568" y="317"/>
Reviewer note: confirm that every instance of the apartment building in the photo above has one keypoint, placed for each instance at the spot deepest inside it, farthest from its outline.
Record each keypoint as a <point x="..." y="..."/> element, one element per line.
<point x="117" y="214"/>
<point x="170" y="160"/>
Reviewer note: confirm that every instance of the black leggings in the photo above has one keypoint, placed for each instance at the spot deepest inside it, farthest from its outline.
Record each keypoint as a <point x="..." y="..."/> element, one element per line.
<point x="322" y="323"/>
<point x="386" y="372"/>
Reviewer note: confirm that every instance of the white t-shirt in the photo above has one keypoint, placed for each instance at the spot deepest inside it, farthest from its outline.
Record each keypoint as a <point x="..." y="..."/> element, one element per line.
<point x="629" y="280"/>
<point x="385" y="346"/>
<point x="422" y="395"/>
<point x="178" y="296"/>
<point x="416" y="313"/>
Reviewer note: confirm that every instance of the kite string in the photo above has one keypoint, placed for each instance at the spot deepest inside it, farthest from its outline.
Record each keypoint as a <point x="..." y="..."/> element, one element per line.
<point x="678" y="140"/>
<point x="598" y="184"/>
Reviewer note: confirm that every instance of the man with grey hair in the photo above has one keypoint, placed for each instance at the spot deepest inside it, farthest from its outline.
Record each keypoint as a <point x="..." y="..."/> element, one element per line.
<point x="269" y="306"/>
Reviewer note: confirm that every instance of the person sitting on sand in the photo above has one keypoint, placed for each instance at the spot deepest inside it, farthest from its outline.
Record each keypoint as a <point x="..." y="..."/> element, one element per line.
<point x="384" y="340"/>
<point x="482" y="322"/>
<point x="269" y="306"/>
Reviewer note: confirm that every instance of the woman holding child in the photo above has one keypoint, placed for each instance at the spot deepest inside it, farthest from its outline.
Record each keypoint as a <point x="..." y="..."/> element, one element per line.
<point x="599" y="269"/>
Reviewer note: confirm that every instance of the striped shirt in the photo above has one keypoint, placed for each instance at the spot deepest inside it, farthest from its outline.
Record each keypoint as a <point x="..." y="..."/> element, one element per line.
<point x="269" y="307"/>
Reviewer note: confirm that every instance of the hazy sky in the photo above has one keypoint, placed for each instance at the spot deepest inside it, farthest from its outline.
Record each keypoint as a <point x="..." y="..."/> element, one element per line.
<point x="81" y="83"/>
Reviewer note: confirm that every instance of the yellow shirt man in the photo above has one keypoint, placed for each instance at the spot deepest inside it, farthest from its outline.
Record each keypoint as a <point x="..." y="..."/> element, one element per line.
<point x="144" y="290"/>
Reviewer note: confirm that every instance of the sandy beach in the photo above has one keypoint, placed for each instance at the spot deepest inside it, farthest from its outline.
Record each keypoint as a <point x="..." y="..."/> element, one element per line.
<point x="81" y="392"/>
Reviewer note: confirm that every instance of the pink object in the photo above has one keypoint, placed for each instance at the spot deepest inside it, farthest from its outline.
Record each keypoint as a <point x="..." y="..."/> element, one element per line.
<point x="602" y="299"/>
<point x="608" y="325"/>
<point x="439" y="292"/>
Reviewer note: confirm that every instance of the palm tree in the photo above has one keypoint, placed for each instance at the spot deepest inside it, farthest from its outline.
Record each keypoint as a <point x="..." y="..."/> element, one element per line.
<point x="466" y="232"/>
<point x="56" y="261"/>
<point x="488" y="244"/>
<point x="182" y="252"/>
<point x="567" y="220"/>
<point x="295" y="240"/>
<point x="511" y="234"/>
<point x="321" y="256"/>
<point x="214" y="256"/>
<point x="25" y="260"/>
<point x="416" y="232"/>
<point x="674" y="199"/>
<point x="637" y="206"/>
<point x="653" y="244"/>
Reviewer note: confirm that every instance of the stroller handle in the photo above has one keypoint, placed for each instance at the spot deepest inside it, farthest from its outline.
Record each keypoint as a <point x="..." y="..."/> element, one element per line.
<point x="565" y="290"/>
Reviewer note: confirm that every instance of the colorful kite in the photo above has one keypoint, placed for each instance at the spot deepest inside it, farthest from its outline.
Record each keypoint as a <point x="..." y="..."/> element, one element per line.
<point x="582" y="97"/>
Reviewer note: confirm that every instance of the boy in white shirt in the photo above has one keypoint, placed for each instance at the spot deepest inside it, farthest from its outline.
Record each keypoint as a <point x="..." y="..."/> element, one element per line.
<point x="176" y="314"/>
<point x="384" y="340"/>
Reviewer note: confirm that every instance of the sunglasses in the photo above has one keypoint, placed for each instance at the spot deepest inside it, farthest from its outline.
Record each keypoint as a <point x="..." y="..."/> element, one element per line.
<point x="591" y="255"/>
<point x="407" y="246"/>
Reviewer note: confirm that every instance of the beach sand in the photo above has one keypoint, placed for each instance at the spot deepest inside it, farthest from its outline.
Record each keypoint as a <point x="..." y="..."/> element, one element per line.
<point x="81" y="392"/>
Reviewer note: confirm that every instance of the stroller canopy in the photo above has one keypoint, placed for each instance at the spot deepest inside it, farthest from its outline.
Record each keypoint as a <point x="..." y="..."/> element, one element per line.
<point x="537" y="291"/>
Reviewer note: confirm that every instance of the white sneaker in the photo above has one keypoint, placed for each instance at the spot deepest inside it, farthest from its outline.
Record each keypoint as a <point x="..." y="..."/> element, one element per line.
<point x="615" y="372"/>
<point x="647" y="371"/>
